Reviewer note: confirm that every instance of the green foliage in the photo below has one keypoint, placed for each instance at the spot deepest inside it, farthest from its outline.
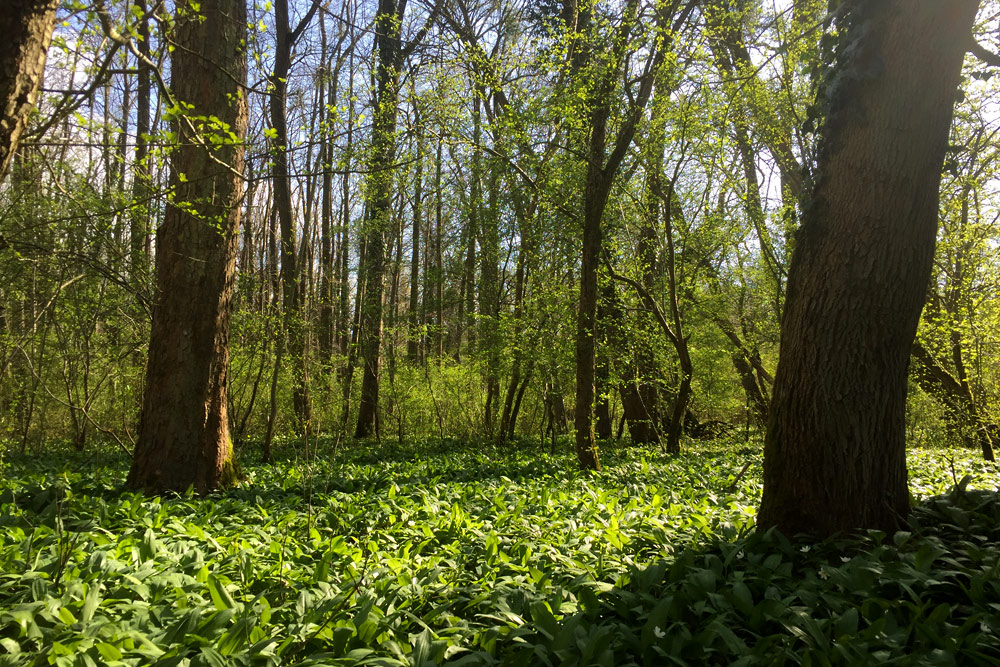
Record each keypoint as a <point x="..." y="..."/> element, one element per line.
<point x="465" y="553"/>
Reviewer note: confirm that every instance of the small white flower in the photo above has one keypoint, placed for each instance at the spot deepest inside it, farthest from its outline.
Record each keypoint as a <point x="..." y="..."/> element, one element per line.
<point x="824" y="575"/>
<point x="740" y="554"/>
<point x="805" y="549"/>
<point x="845" y="559"/>
<point x="660" y="634"/>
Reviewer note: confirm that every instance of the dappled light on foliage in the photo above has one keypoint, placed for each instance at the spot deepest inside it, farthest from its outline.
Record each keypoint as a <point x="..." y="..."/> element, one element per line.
<point x="499" y="332"/>
<point x="416" y="554"/>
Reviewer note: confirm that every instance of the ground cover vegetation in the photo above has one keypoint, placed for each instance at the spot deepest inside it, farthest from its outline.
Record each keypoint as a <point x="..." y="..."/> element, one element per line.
<point x="560" y="332"/>
<point x="446" y="552"/>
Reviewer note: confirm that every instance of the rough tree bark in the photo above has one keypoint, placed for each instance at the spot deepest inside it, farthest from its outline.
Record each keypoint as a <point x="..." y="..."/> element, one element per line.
<point x="26" y="26"/>
<point x="183" y="436"/>
<point x="834" y="457"/>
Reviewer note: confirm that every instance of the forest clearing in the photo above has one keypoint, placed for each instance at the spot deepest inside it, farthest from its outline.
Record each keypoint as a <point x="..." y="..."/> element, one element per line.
<point x="570" y="332"/>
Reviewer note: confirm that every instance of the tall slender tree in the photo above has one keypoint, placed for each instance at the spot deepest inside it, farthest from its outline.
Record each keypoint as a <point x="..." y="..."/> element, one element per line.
<point x="602" y="165"/>
<point x="378" y="192"/>
<point x="139" y="230"/>
<point x="292" y="293"/>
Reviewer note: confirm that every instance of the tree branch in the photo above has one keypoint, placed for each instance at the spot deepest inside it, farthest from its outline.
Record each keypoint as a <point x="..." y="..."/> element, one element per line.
<point x="984" y="54"/>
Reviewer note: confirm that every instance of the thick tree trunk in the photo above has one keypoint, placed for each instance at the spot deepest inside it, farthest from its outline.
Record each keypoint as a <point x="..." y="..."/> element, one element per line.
<point x="26" y="26"/>
<point x="595" y="199"/>
<point x="183" y="436"/>
<point x="834" y="456"/>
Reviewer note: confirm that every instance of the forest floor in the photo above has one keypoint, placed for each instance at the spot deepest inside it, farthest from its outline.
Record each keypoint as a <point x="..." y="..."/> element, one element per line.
<point x="473" y="555"/>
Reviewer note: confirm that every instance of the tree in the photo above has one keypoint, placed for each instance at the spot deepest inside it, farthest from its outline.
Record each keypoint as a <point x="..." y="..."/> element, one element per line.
<point x="834" y="456"/>
<point x="602" y="168"/>
<point x="378" y="193"/>
<point x="139" y="230"/>
<point x="26" y="26"/>
<point x="292" y="294"/>
<point x="183" y="438"/>
<point x="378" y="197"/>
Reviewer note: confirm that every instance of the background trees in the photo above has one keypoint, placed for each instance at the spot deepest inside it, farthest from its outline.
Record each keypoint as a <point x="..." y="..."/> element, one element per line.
<point x="427" y="199"/>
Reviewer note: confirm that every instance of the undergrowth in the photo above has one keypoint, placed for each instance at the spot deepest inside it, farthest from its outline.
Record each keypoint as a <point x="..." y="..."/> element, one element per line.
<point x="473" y="555"/>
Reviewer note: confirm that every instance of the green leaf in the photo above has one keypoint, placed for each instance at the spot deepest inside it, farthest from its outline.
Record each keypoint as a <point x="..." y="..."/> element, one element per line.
<point x="541" y="614"/>
<point x="220" y="596"/>
<point x="91" y="602"/>
<point x="847" y="624"/>
<point x="422" y="648"/>
<point x="109" y="652"/>
<point x="742" y="598"/>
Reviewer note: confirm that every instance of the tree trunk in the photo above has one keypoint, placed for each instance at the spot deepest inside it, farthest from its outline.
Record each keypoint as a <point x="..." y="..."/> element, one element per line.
<point x="465" y="322"/>
<point x="292" y="294"/>
<point x="602" y="169"/>
<point x="326" y="201"/>
<point x="388" y="23"/>
<point x="610" y="337"/>
<point x="141" y="190"/>
<point x="26" y="26"/>
<point x="184" y="428"/>
<point x="489" y="300"/>
<point x="595" y="199"/>
<point x="525" y="213"/>
<point x="413" y="329"/>
<point x="834" y="457"/>
<point x="437" y="339"/>
<point x="345" y="325"/>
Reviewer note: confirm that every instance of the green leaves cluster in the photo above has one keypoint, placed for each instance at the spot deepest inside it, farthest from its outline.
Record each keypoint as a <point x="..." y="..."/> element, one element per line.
<point x="467" y="554"/>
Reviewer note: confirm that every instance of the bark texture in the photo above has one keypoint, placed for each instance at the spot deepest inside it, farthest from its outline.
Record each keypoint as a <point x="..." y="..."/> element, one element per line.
<point x="183" y="432"/>
<point x="834" y="456"/>
<point x="26" y="26"/>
